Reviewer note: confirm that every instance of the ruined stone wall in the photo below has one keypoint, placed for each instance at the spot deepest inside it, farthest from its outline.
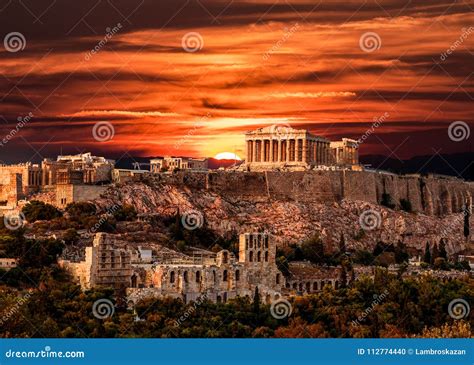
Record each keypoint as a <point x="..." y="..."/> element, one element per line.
<point x="12" y="191"/>
<point x="69" y="193"/>
<point x="432" y="195"/>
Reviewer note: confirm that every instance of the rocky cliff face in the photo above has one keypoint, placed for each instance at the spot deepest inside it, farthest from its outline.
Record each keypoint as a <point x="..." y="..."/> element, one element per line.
<point x="290" y="218"/>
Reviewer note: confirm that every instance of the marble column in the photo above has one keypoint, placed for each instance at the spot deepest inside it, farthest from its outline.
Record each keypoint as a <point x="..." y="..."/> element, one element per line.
<point x="254" y="151"/>
<point x="287" y="150"/>
<point x="305" y="150"/>
<point x="279" y="151"/>
<point x="271" y="150"/>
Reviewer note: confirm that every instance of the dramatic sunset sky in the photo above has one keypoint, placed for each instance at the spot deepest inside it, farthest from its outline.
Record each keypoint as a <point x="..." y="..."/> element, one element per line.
<point x="256" y="63"/>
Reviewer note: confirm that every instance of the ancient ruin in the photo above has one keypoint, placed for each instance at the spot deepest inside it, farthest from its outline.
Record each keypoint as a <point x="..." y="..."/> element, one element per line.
<point x="218" y="277"/>
<point x="283" y="147"/>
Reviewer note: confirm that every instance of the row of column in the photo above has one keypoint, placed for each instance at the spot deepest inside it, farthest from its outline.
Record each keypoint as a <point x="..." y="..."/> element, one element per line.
<point x="290" y="150"/>
<point x="34" y="178"/>
<point x="346" y="156"/>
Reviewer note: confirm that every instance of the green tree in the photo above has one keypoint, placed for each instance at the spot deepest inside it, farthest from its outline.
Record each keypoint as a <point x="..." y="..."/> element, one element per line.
<point x="37" y="210"/>
<point x="405" y="205"/>
<point x="125" y="213"/>
<point x="387" y="201"/>
<point x="442" y="249"/>
<point x="313" y="249"/>
<point x="256" y="301"/>
<point x="467" y="215"/>
<point x="427" y="257"/>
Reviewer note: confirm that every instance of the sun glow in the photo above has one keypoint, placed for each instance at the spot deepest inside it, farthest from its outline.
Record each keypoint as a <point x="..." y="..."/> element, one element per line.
<point x="227" y="156"/>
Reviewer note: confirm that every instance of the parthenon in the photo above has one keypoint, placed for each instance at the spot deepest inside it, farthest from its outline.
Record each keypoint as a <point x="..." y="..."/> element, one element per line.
<point x="285" y="147"/>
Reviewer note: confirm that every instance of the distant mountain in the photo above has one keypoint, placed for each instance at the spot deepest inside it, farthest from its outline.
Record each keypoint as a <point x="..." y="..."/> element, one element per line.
<point x="459" y="164"/>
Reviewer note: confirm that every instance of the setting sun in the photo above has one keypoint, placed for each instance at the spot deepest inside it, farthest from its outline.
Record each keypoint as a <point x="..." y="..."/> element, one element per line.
<point x="227" y="156"/>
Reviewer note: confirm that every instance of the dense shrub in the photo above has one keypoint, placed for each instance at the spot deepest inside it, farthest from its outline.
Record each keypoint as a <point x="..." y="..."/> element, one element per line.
<point x="37" y="210"/>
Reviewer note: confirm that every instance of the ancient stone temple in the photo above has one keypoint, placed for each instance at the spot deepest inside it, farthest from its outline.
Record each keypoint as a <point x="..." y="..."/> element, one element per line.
<point x="282" y="147"/>
<point x="345" y="152"/>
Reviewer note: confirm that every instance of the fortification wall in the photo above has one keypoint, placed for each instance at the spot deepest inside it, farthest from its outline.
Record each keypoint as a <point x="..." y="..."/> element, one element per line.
<point x="432" y="195"/>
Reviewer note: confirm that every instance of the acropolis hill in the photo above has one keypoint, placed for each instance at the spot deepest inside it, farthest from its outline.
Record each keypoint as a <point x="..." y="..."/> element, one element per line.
<point x="294" y="205"/>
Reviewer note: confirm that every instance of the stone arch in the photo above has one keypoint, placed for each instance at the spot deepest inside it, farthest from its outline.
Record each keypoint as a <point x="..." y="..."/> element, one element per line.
<point x="315" y="286"/>
<point x="172" y="277"/>
<point x="295" y="286"/>
<point x="266" y="256"/>
<point x="277" y="296"/>
<point x="214" y="276"/>
<point x="198" y="276"/>
<point x="259" y="256"/>
<point x="185" y="277"/>
<point x="225" y="257"/>
<point x="251" y="256"/>
<point x="308" y="286"/>
<point x="224" y="275"/>
<point x="237" y="275"/>
<point x="300" y="287"/>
